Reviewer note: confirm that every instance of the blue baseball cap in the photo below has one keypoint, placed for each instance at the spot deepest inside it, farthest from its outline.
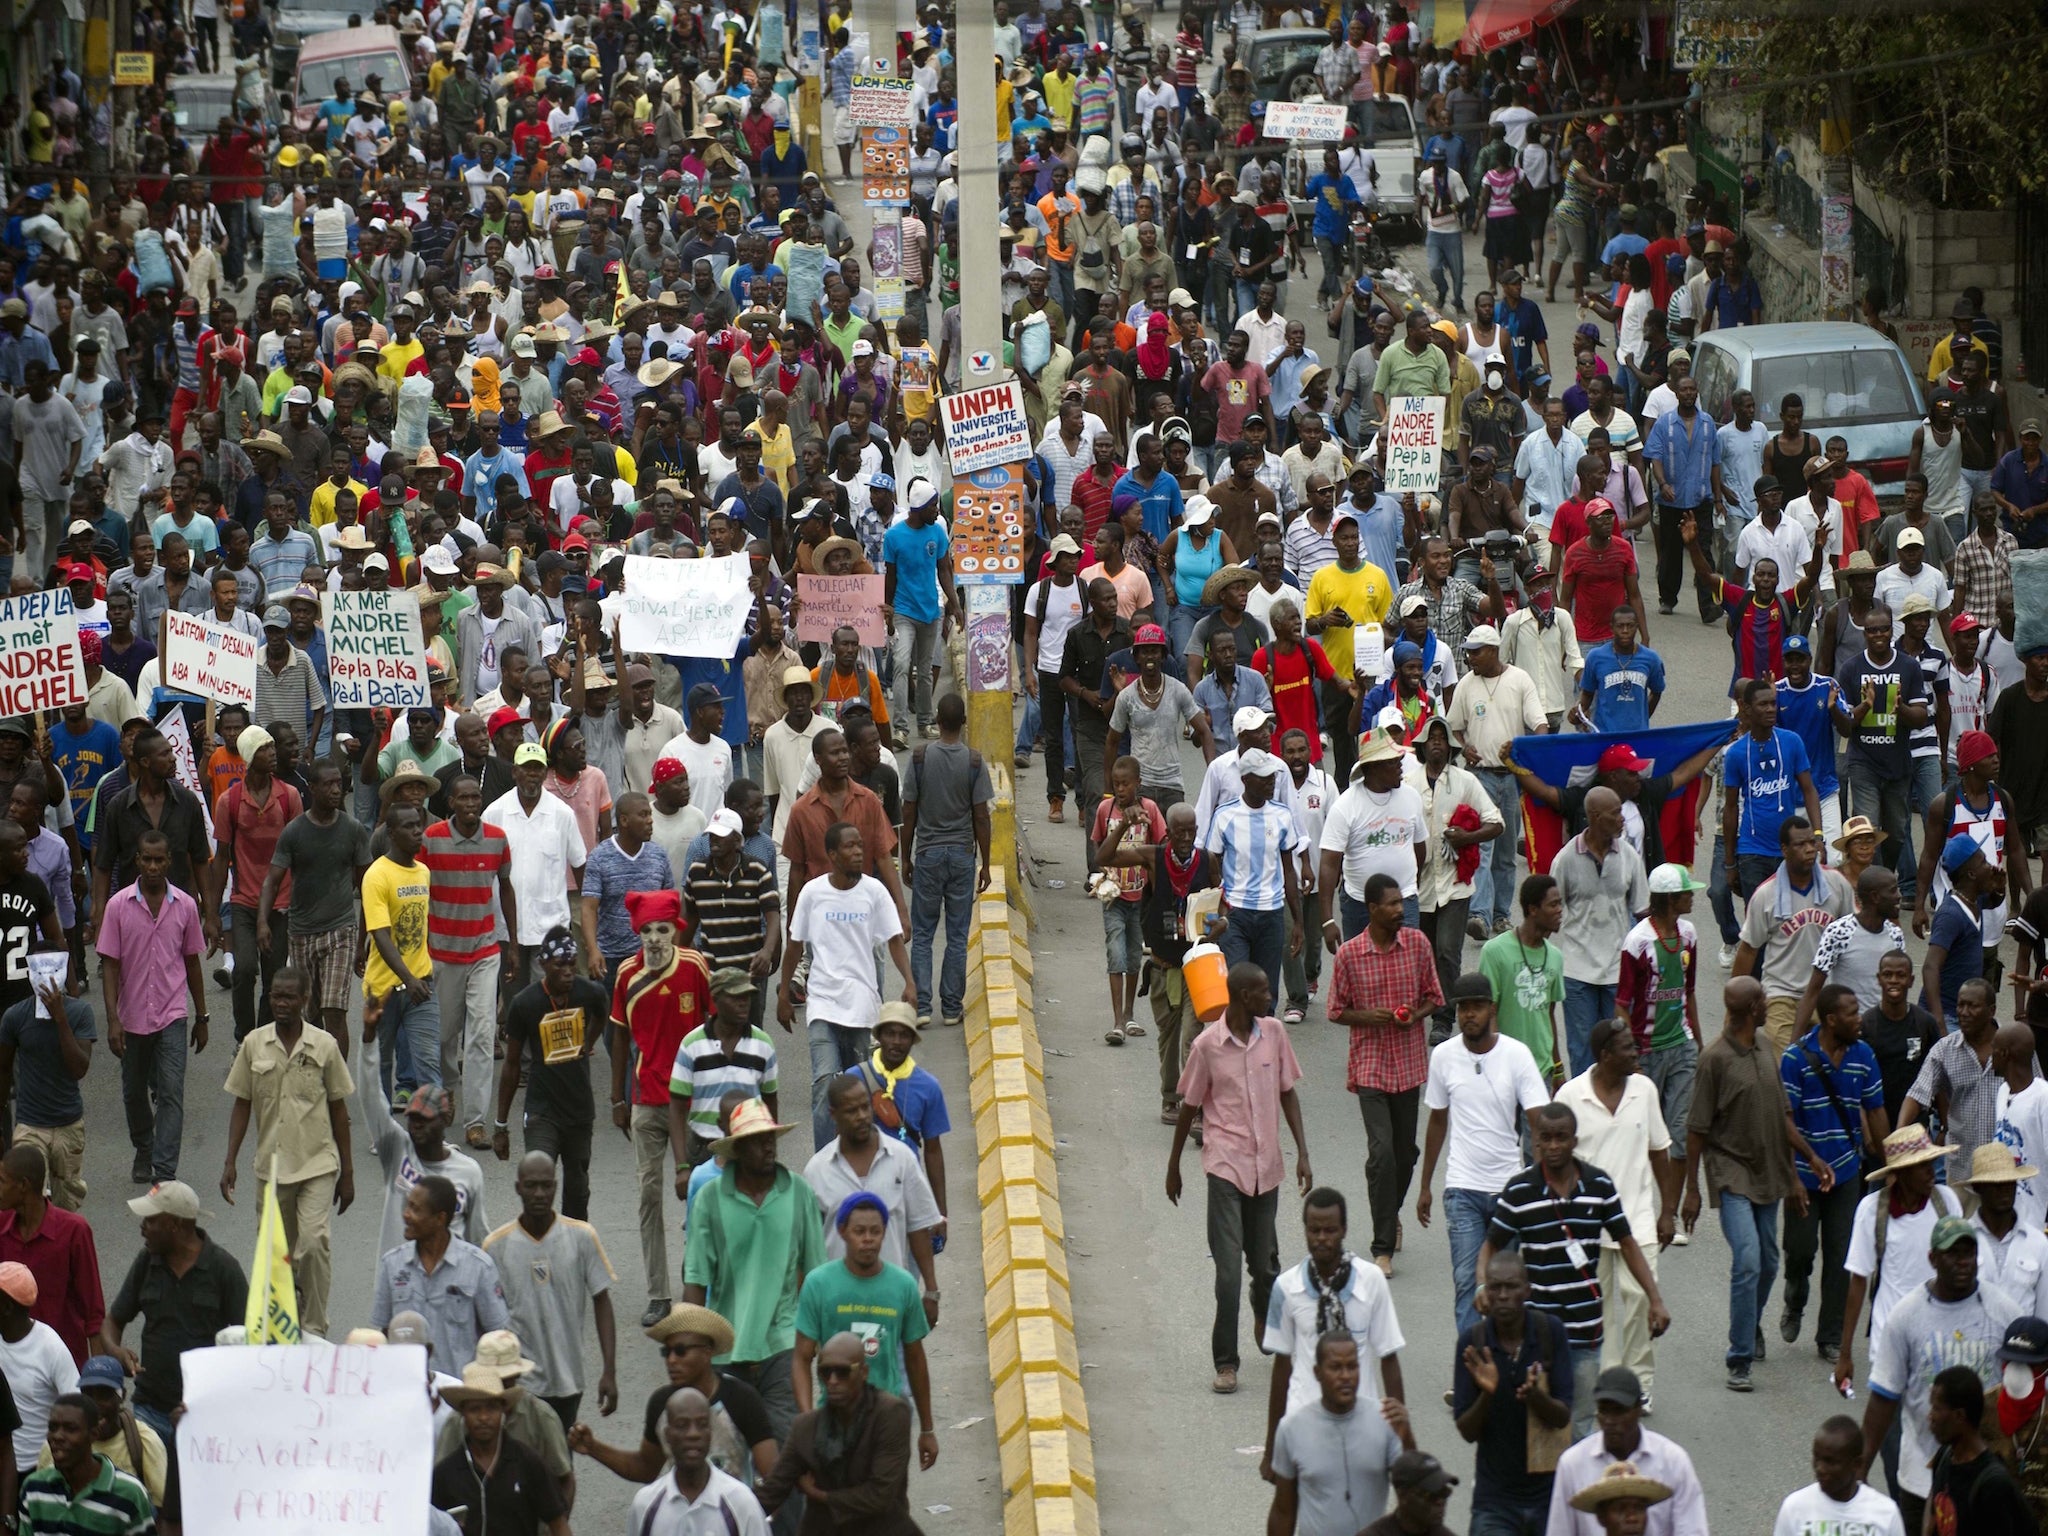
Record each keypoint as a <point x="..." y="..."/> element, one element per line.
<point x="1363" y="287"/>
<point x="102" y="1371"/>
<point x="882" y="482"/>
<point x="1959" y="850"/>
<point x="1798" y="645"/>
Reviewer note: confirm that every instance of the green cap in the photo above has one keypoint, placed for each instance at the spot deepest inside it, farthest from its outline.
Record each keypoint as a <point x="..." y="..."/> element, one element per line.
<point x="732" y="981"/>
<point x="1949" y="1231"/>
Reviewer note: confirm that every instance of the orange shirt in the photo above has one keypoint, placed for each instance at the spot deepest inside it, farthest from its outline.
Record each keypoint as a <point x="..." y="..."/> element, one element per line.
<point x="838" y="689"/>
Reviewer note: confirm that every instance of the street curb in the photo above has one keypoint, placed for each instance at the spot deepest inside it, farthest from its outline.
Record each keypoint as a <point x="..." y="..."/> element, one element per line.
<point x="1041" y="1413"/>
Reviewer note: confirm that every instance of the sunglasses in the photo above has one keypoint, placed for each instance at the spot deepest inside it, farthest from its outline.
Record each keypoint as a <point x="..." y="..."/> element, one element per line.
<point x="834" y="1372"/>
<point x="677" y="1351"/>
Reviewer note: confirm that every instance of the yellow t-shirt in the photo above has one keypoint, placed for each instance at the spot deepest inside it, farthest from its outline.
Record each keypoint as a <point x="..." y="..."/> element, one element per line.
<point x="1943" y="358"/>
<point x="320" y="506"/>
<point x="1059" y="98"/>
<point x="395" y="897"/>
<point x="778" y="457"/>
<point x="394" y="357"/>
<point x="1365" y="594"/>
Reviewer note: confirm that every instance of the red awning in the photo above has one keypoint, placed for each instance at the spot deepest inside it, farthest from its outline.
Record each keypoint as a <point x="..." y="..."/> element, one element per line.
<point x="1496" y="23"/>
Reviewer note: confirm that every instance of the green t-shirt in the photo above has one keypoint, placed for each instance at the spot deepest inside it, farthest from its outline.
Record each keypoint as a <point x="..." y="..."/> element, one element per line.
<point x="885" y="1310"/>
<point x="1667" y="1015"/>
<point x="1526" y="983"/>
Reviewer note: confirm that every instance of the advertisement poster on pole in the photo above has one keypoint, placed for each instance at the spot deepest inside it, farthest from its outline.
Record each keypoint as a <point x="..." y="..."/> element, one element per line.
<point x="880" y="101"/>
<point x="1414" y="443"/>
<point x="1306" y="122"/>
<point x="885" y="167"/>
<point x="209" y="660"/>
<point x="40" y="664"/>
<point x="986" y="427"/>
<point x="809" y="48"/>
<point x="988" y="527"/>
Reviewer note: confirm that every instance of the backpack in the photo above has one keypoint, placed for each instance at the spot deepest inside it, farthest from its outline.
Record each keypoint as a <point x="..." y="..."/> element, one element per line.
<point x="860" y="673"/>
<point x="888" y="1113"/>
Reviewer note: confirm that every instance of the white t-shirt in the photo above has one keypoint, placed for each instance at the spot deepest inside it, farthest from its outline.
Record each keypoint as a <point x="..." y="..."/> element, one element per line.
<point x="2022" y="1125"/>
<point x="1894" y="586"/>
<point x="39" y="1370"/>
<point x="842" y="929"/>
<point x="1810" y="1512"/>
<point x="1486" y="1093"/>
<point x="1905" y="1250"/>
<point x="1058" y="609"/>
<point x="709" y="765"/>
<point x="1290" y="1328"/>
<point x="1516" y="120"/>
<point x="1377" y="835"/>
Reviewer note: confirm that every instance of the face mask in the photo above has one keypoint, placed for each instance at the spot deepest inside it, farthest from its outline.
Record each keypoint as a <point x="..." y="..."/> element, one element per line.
<point x="1495" y="378"/>
<point x="1543" y="602"/>
<point x="2018" y="1380"/>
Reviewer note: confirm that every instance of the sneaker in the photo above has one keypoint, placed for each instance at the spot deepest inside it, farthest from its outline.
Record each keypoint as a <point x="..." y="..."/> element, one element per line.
<point x="924" y="1021"/>
<point x="1738" y="1378"/>
<point x="1021" y="760"/>
<point x="1500" y="926"/>
<point x="1727" y="954"/>
<point x="657" y="1309"/>
<point x="1664" y="607"/>
<point x="1788" y="1326"/>
<point x="1760" y="1342"/>
<point x="1225" y="1382"/>
<point x="950" y="1023"/>
<point x="1827" y="1352"/>
<point x="1681" y="1238"/>
<point x="139" y="1173"/>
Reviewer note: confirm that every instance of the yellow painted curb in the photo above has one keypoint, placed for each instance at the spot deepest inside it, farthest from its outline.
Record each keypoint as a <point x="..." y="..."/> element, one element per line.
<point x="1040" y="1410"/>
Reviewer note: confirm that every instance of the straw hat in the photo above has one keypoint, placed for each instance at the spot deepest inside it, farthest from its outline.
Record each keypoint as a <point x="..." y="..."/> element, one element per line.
<point x="1377" y="747"/>
<point x="1224" y="578"/>
<point x="353" y="537"/>
<point x="1908" y="1146"/>
<point x="1859" y="826"/>
<point x="750" y="1119"/>
<point x="658" y="372"/>
<point x="548" y="424"/>
<point x="836" y="542"/>
<point x="499" y="1351"/>
<point x="1620" y="1481"/>
<point x="267" y="442"/>
<point x="409" y="772"/>
<point x="1994" y="1163"/>
<point x="702" y="1321"/>
<point x="480" y="1384"/>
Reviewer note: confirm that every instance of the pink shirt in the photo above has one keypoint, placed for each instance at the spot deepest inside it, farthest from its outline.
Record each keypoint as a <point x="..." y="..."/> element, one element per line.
<point x="1237" y="1086"/>
<point x="151" y="949"/>
<point x="587" y="795"/>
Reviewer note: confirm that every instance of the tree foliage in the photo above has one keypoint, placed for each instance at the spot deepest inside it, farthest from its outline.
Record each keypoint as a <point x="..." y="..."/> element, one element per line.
<point x="1970" y="132"/>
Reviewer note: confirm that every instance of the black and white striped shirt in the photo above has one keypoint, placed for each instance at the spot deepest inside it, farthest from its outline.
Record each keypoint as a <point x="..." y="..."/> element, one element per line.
<point x="1529" y="1216"/>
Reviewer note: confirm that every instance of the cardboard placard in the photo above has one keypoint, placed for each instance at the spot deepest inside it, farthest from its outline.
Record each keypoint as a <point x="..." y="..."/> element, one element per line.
<point x="827" y="602"/>
<point x="1414" y="443"/>
<point x="304" y="1439"/>
<point x="686" y="607"/>
<point x="1306" y="121"/>
<point x="376" y="650"/>
<point x="209" y="660"/>
<point x="986" y="427"/>
<point x="988" y="527"/>
<point x="880" y="101"/>
<point x="135" y="69"/>
<point x="40" y="664"/>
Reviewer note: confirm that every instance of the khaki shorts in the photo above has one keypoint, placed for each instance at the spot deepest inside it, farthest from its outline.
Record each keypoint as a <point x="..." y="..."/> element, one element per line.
<point x="64" y="1149"/>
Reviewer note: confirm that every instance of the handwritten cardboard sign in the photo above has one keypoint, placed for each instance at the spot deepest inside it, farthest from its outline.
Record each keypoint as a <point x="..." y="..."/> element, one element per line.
<point x="1414" y="443"/>
<point x="686" y="607"/>
<point x="209" y="659"/>
<point x="376" y="651"/>
<point x="40" y="665"/>
<point x="827" y="602"/>
<point x="1306" y="121"/>
<point x="306" y="1439"/>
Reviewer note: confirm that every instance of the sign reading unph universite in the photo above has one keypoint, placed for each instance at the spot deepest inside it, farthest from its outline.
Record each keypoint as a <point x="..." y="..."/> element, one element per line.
<point x="40" y="664"/>
<point x="209" y="660"/>
<point x="986" y="427"/>
<point x="376" y="651"/>
<point x="1415" y="442"/>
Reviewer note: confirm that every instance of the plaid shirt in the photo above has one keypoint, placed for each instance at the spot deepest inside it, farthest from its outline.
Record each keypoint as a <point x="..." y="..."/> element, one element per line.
<point x="1337" y="69"/>
<point x="1391" y="1060"/>
<point x="1985" y="575"/>
<point x="1952" y="1067"/>
<point x="1450" y="611"/>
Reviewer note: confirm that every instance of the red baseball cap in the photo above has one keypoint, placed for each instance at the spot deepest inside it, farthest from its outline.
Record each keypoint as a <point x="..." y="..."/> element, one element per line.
<point x="575" y="541"/>
<point x="1595" y="506"/>
<point x="1148" y="634"/>
<point x="586" y="357"/>
<point x="500" y="718"/>
<point x="1621" y="758"/>
<point x="1964" y="623"/>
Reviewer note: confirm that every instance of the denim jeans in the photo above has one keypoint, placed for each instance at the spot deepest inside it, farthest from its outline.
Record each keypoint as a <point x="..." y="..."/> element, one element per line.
<point x="1467" y="1214"/>
<point x="1260" y="937"/>
<point x="153" y="1093"/>
<point x="1924" y="789"/>
<point x="1585" y="1372"/>
<point x="1447" y="264"/>
<point x="253" y="965"/>
<point x="1752" y="1234"/>
<point x="913" y="646"/>
<point x="1181" y="620"/>
<point x="834" y="1049"/>
<point x="1495" y="1514"/>
<point x="1751" y="871"/>
<point x="1247" y="294"/>
<point x="1243" y="1235"/>
<point x="941" y="883"/>
<point x="1333" y="268"/>
<point x="1672" y="1069"/>
<point x="1720" y="897"/>
<point x="1585" y="1004"/>
<point x="1888" y="803"/>
<point x="1499" y="855"/>
<point x="409" y="1038"/>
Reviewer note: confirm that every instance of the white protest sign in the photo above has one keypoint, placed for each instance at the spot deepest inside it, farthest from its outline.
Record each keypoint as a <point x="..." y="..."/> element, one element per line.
<point x="179" y="735"/>
<point x="1368" y="649"/>
<point x="376" y="651"/>
<point x="209" y="659"/>
<point x="880" y="101"/>
<point x="1306" y="121"/>
<point x="685" y="607"/>
<point x="986" y="427"/>
<point x="1414" y="443"/>
<point x="40" y="664"/>
<point x="306" y="1440"/>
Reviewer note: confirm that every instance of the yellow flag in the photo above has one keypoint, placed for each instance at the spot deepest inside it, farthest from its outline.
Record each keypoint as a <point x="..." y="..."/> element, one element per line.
<point x="273" y="1315"/>
<point x="625" y="293"/>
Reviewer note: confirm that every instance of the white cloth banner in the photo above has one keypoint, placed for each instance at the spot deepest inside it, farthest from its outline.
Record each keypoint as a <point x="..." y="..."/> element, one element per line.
<point x="306" y="1440"/>
<point x="686" y="607"/>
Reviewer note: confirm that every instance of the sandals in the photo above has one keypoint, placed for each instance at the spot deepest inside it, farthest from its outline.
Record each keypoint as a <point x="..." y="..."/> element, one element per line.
<point x="1134" y="1029"/>
<point x="1114" y="1036"/>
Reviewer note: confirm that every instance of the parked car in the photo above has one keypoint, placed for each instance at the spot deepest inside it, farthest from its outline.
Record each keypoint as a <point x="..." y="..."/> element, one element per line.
<point x="199" y="102"/>
<point x="1281" y="62"/>
<point x="1854" y="384"/>
<point x="352" y="54"/>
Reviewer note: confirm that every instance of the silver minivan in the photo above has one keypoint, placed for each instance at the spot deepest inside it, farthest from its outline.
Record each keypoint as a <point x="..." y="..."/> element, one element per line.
<point x="1853" y="382"/>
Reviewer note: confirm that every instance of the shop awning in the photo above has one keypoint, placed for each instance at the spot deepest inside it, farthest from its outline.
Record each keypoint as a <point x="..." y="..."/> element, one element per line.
<point x="1493" y="24"/>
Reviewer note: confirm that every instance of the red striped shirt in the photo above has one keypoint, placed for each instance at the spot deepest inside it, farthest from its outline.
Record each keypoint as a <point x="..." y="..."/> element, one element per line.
<point x="462" y="913"/>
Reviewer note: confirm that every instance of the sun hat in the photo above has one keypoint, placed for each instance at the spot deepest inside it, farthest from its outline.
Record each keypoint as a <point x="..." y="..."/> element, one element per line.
<point x="1995" y="1163"/>
<point x="410" y="772"/>
<point x="750" y="1119"/>
<point x="1377" y="747"/>
<point x="480" y="1384"/>
<point x="683" y="1318"/>
<point x="1224" y="578"/>
<point x="1620" y="1481"/>
<point x="1910" y="1145"/>
<point x="499" y="1349"/>
<point x="1859" y="826"/>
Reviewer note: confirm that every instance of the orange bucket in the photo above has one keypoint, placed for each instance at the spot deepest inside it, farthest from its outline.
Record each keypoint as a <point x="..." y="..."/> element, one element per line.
<point x="1207" y="977"/>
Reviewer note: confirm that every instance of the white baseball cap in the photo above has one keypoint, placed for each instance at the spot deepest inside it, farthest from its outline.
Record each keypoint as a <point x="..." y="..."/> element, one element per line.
<point x="1249" y="718"/>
